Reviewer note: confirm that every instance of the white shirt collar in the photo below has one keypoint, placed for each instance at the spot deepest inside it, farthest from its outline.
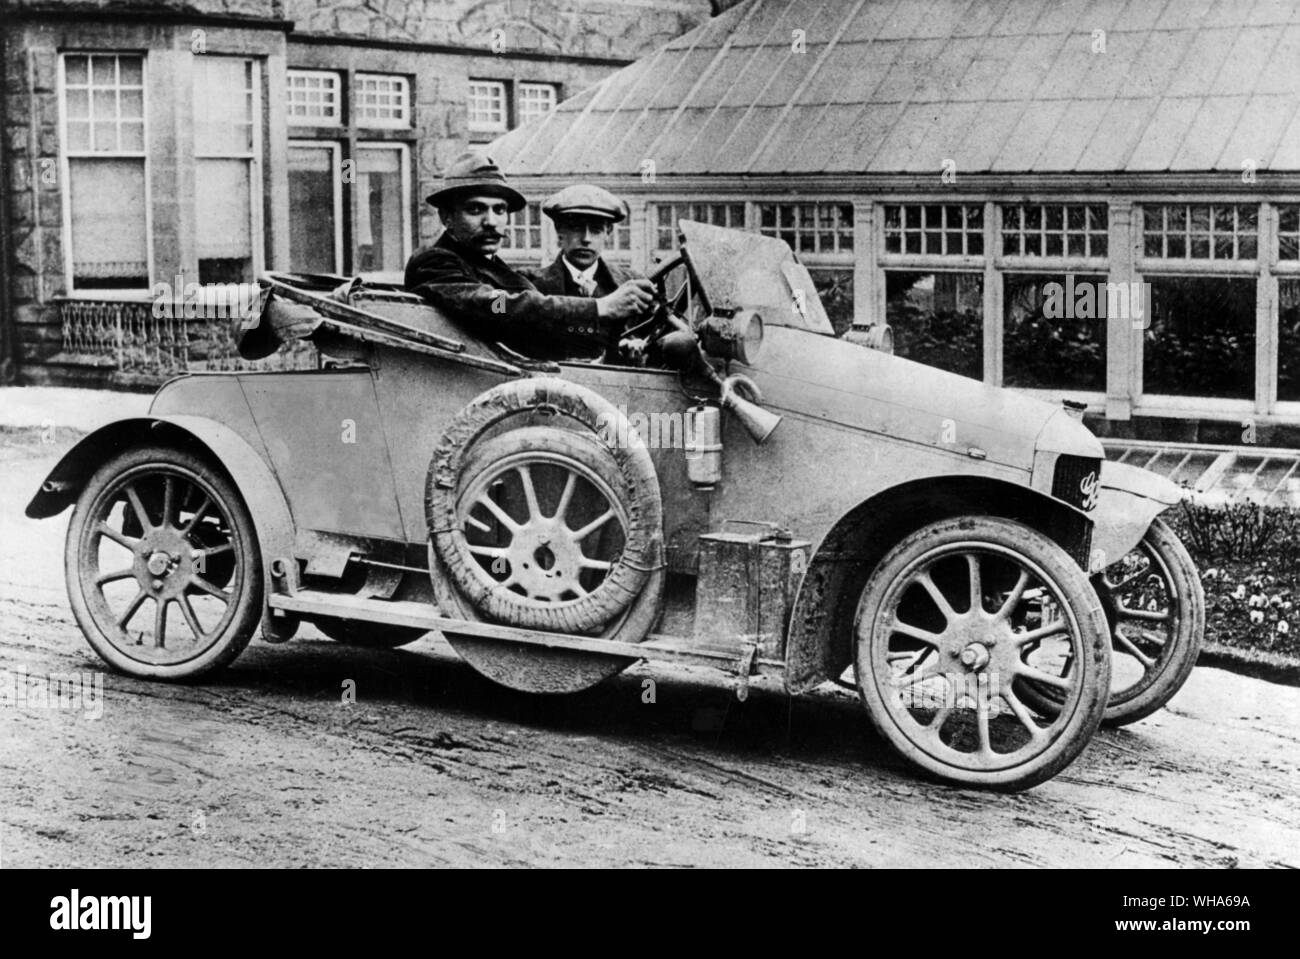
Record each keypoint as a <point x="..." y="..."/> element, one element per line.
<point x="587" y="276"/>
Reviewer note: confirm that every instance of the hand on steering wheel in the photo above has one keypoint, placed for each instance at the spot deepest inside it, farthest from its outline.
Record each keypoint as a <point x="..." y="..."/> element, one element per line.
<point x="663" y="318"/>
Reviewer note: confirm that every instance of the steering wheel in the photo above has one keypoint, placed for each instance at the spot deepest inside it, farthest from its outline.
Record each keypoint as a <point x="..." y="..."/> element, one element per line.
<point x="674" y="310"/>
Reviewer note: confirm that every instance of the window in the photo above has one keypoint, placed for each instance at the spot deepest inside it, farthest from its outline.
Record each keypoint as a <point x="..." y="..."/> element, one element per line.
<point x="383" y="206"/>
<point x="1201" y="341"/>
<point x="535" y="100"/>
<point x="935" y="230"/>
<point x="1288" y="340"/>
<point x="1054" y="229"/>
<point x="104" y="145"/>
<point x="835" y="290"/>
<point x="1200" y="231"/>
<point x="382" y="101"/>
<point x="1288" y="232"/>
<point x="226" y="144"/>
<point x="809" y="227"/>
<point x="666" y="216"/>
<point x="314" y="98"/>
<point x="621" y="241"/>
<point x="487" y="106"/>
<point x="524" y="232"/>
<point x="315" y="207"/>
<point x="938" y="319"/>
<point x="1048" y="341"/>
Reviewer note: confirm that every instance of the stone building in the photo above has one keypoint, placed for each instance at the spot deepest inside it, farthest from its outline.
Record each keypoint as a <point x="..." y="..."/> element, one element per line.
<point x="1092" y="199"/>
<point x="186" y="142"/>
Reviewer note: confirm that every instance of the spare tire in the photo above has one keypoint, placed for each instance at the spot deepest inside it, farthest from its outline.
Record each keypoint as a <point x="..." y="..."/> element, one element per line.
<point x="555" y="527"/>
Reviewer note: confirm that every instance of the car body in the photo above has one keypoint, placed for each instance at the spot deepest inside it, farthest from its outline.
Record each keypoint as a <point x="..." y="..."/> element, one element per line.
<point x="762" y="561"/>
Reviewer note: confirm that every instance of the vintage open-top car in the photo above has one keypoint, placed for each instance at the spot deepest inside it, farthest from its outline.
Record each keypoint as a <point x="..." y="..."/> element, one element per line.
<point x="733" y="486"/>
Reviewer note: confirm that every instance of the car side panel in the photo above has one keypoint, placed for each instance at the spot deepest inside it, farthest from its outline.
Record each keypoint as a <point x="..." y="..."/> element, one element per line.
<point x="417" y="396"/>
<point x="325" y="439"/>
<point x="320" y="433"/>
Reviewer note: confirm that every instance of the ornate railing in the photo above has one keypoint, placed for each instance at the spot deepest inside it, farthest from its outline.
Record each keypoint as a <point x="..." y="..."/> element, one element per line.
<point x="138" y="340"/>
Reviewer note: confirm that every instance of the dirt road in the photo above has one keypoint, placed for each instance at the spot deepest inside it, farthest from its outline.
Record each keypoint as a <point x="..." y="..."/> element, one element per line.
<point x="267" y="766"/>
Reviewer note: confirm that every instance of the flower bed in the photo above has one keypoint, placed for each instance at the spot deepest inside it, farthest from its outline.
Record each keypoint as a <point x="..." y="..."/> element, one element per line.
<point x="1249" y="562"/>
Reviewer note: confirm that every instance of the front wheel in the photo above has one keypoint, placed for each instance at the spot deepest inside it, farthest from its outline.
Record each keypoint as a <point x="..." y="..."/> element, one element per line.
<point x="953" y="624"/>
<point x="164" y="575"/>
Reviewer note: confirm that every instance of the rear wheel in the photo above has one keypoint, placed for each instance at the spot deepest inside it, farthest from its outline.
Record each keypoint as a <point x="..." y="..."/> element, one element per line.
<point x="163" y="570"/>
<point x="941" y="631"/>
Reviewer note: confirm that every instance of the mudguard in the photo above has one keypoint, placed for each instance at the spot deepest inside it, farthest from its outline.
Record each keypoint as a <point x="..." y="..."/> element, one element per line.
<point x="251" y="474"/>
<point x="1130" y="499"/>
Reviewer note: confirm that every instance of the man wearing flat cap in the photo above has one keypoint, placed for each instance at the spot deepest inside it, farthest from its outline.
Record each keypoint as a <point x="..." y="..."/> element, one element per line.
<point x="584" y="216"/>
<point x="461" y="274"/>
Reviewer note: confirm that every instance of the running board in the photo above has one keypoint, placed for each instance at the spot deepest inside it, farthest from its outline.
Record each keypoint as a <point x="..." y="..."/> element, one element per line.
<point x="658" y="646"/>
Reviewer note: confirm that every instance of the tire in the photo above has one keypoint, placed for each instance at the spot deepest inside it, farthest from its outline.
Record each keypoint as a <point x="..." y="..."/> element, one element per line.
<point x="527" y="668"/>
<point x="1151" y="662"/>
<point x="584" y="441"/>
<point x="944" y="685"/>
<point x="192" y="527"/>
<point x="545" y="429"/>
<point x="355" y="632"/>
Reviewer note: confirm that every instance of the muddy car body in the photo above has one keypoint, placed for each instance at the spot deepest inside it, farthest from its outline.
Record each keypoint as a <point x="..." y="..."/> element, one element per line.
<point x="932" y="533"/>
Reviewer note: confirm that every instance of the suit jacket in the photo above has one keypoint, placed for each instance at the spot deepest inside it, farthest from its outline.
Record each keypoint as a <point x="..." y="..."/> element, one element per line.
<point x="557" y="280"/>
<point x="499" y="304"/>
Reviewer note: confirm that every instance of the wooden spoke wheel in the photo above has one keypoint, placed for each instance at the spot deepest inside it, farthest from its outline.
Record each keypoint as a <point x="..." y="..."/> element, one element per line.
<point x="163" y="570"/>
<point x="941" y="632"/>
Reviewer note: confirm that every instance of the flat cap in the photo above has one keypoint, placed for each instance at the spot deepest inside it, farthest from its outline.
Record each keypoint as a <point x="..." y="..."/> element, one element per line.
<point x="585" y="199"/>
<point x="473" y="174"/>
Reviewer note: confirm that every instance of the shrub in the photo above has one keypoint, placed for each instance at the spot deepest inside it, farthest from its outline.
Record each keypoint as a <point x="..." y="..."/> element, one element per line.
<point x="1240" y="530"/>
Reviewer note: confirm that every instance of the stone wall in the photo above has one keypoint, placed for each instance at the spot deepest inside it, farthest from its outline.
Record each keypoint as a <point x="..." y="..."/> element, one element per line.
<point x="623" y="29"/>
<point x="259" y="9"/>
<point x="31" y="143"/>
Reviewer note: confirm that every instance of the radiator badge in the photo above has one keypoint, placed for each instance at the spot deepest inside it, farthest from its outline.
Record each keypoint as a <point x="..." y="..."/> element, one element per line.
<point x="1090" y="488"/>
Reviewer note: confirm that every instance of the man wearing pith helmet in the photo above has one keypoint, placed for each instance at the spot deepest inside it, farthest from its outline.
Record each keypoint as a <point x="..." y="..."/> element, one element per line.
<point x="584" y="216"/>
<point x="462" y="274"/>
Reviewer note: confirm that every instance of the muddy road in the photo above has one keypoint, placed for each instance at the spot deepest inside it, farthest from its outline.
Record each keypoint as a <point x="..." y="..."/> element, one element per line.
<point x="266" y="765"/>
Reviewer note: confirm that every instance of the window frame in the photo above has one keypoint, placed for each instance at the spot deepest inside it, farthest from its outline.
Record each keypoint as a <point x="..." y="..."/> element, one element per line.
<point x="526" y="253"/>
<point x="256" y="187"/>
<point x="339" y="97"/>
<point x="885" y="255"/>
<point x="1275" y="262"/>
<point x="1025" y="262"/>
<point x="403" y="150"/>
<point x="521" y="87"/>
<point x="480" y="126"/>
<point x="1199" y="265"/>
<point x="818" y="257"/>
<point x="65" y="175"/>
<point x="1263" y="398"/>
<point x="336" y="160"/>
<point x="675" y="201"/>
<point x="404" y="122"/>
